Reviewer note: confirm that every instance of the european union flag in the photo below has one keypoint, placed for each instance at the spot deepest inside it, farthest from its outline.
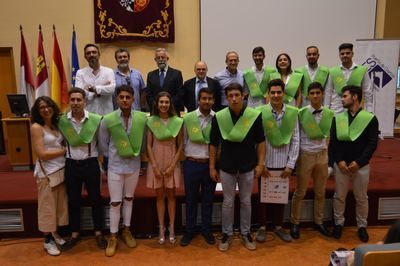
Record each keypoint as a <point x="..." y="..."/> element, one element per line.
<point x="74" y="59"/>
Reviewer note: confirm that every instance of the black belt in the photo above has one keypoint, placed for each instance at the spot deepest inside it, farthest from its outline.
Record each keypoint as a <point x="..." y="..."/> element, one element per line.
<point x="197" y="160"/>
<point x="82" y="162"/>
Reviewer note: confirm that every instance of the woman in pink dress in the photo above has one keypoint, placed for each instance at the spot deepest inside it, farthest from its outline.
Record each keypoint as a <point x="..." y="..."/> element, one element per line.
<point x="164" y="149"/>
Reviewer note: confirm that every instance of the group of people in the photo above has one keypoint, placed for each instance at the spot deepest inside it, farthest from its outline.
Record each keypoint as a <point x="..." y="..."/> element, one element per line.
<point x="238" y="127"/>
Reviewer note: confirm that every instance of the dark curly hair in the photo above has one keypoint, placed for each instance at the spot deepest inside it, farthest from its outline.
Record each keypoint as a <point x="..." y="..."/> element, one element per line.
<point x="171" y="110"/>
<point x="35" y="111"/>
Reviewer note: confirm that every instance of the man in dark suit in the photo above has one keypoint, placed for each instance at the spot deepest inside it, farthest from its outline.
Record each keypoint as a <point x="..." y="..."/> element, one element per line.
<point x="192" y="86"/>
<point x="164" y="78"/>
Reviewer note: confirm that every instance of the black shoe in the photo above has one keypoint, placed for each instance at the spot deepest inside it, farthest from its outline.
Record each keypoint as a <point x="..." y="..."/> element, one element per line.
<point x="363" y="234"/>
<point x="70" y="243"/>
<point x="295" y="231"/>
<point x="101" y="241"/>
<point x="186" y="239"/>
<point x="208" y="237"/>
<point x="337" y="231"/>
<point x="323" y="230"/>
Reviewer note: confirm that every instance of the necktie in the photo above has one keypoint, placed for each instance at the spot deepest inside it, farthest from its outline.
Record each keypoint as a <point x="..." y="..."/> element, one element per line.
<point x="199" y="86"/>
<point x="162" y="78"/>
<point x="317" y="111"/>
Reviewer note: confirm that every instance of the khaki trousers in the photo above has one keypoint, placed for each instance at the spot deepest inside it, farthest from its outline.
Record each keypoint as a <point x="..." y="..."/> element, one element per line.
<point x="310" y="166"/>
<point x="52" y="206"/>
<point x="360" y="182"/>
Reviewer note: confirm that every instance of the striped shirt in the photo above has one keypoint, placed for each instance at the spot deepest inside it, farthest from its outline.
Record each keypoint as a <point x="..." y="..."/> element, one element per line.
<point x="285" y="155"/>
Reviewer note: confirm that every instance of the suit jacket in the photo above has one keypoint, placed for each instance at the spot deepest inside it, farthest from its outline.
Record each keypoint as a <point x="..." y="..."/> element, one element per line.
<point x="189" y="90"/>
<point x="172" y="84"/>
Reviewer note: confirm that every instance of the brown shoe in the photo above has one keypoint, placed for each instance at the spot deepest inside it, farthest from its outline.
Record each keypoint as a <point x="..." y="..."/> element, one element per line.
<point x="111" y="246"/>
<point x="128" y="238"/>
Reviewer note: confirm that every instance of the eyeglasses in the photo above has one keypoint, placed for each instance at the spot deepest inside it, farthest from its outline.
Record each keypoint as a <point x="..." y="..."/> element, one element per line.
<point x="45" y="107"/>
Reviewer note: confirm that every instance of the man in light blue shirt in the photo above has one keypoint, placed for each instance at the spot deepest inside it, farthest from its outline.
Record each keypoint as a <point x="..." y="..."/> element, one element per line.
<point x="231" y="74"/>
<point x="124" y="75"/>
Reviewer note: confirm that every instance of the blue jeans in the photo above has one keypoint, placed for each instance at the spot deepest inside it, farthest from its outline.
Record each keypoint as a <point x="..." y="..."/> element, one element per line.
<point x="245" y="181"/>
<point x="198" y="181"/>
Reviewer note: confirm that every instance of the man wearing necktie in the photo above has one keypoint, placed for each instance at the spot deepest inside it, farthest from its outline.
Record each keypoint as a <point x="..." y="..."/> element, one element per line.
<point x="164" y="78"/>
<point x="315" y="122"/>
<point x="192" y="87"/>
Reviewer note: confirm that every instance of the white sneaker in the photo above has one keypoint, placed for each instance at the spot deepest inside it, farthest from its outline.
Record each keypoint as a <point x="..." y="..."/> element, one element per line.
<point x="60" y="241"/>
<point x="51" y="248"/>
<point x="330" y="171"/>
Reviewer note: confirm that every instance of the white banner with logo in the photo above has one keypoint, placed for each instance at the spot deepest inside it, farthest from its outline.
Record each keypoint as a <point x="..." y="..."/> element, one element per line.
<point x="381" y="58"/>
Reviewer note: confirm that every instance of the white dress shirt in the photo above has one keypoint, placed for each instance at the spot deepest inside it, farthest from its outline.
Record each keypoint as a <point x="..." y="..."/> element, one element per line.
<point x="312" y="145"/>
<point x="81" y="152"/>
<point x="256" y="101"/>
<point x="333" y="101"/>
<point x="116" y="163"/>
<point x="197" y="150"/>
<point x="104" y="83"/>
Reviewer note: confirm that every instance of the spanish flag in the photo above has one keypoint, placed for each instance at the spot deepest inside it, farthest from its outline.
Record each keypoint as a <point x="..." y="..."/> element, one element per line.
<point x="59" y="90"/>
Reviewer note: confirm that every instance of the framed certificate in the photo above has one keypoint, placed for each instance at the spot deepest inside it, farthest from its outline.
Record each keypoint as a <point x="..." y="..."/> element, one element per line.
<point x="274" y="189"/>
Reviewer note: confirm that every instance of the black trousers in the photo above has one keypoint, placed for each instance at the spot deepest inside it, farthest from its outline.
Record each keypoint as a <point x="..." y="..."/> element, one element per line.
<point x="78" y="173"/>
<point x="277" y="211"/>
<point x="198" y="182"/>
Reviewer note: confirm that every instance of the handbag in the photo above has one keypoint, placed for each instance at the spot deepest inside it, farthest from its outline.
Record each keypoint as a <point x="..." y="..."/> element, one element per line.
<point x="55" y="178"/>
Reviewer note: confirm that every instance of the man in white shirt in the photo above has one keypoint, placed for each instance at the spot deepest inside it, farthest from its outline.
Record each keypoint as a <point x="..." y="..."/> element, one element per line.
<point x="312" y="72"/>
<point x="257" y="77"/>
<point x="347" y="73"/>
<point x="97" y="81"/>
<point x="195" y="167"/>
<point x="315" y="121"/>
<point x="79" y="128"/>
<point x="121" y="138"/>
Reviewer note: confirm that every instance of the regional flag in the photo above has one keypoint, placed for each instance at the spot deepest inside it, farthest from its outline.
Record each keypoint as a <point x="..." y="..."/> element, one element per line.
<point x="27" y="84"/>
<point x="59" y="88"/>
<point x="74" y="58"/>
<point x="42" y="78"/>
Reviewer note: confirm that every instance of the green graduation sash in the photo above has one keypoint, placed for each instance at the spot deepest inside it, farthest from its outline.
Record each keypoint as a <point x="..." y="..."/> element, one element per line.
<point x="278" y="136"/>
<point x="291" y="87"/>
<point x="236" y="132"/>
<point x="355" y="78"/>
<point x="196" y="134"/>
<point x="127" y="146"/>
<point x="164" y="132"/>
<point x="310" y="125"/>
<point x="344" y="132"/>
<point x="321" y="76"/>
<point x="257" y="90"/>
<point x="86" y="134"/>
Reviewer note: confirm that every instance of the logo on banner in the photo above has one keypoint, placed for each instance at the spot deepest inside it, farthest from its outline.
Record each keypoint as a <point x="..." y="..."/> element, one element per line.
<point x="378" y="72"/>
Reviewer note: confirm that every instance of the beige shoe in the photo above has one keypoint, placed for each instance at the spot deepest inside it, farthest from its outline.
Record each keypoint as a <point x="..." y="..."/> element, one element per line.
<point x="111" y="246"/>
<point x="128" y="238"/>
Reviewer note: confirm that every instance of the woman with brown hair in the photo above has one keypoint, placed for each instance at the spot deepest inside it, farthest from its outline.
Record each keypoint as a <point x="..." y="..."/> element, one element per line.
<point x="49" y="172"/>
<point x="164" y="148"/>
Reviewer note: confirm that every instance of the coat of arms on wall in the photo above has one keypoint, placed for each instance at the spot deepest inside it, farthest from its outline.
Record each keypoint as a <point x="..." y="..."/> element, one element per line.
<point x="140" y="20"/>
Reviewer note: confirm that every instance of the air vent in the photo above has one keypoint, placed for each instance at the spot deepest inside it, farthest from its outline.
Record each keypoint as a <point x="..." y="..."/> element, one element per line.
<point x="86" y="218"/>
<point x="216" y="218"/>
<point x="389" y="208"/>
<point x="11" y="220"/>
<point x="307" y="211"/>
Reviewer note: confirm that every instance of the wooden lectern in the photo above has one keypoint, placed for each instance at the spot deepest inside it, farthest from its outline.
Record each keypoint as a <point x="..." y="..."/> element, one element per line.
<point x="19" y="147"/>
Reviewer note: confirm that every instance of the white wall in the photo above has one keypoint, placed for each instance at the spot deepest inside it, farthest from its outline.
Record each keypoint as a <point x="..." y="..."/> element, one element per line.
<point x="281" y="26"/>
